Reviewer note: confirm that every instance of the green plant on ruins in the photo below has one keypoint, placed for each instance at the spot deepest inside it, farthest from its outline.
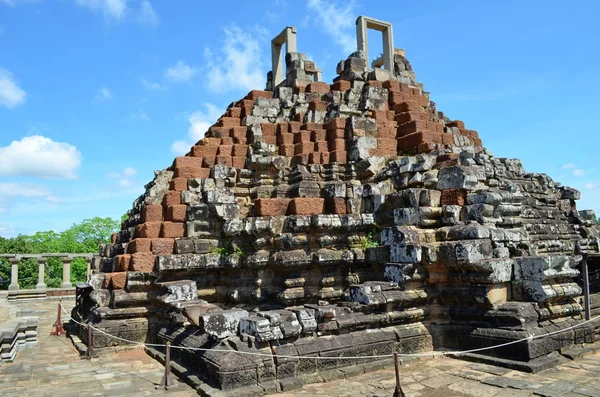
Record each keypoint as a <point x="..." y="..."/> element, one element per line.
<point x="229" y="248"/>
<point x="371" y="240"/>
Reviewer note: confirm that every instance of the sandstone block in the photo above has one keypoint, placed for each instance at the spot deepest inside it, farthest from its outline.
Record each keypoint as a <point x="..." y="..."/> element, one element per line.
<point x="142" y="262"/>
<point x="177" y="213"/>
<point x="172" y="229"/>
<point x="148" y="230"/>
<point x="271" y="206"/>
<point x="152" y="213"/>
<point x="172" y="198"/>
<point x="306" y="206"/>
<point x="162" y="246"/>
<point x="139" y="245"/>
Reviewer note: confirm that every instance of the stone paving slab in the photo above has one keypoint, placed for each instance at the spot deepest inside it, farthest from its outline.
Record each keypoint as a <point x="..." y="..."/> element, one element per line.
<point x="55" y="368"/>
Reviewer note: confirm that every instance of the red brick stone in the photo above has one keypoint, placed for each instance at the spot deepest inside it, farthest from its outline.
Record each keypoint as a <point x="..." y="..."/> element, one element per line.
<point x="114" y="236"/>
<point x="286" y="150"/>
<point x="234" y="112"/>
<point x="374" y="83"/>
<point x="282" y="127"/>
<point x="203" y="151"/>
<point x="229" y="122"/>
<point x="321" y="147"/>
<point x="225" y="150"/>
<point x="178" y="184"/>
<point x="336" y="124"/>
<point x="414" y="140"/>
<point x="395" y="98"/>
<point x="325" y="158"/>
<point x="177" y="213"/>
<point x="294" y="126"/>
<point x="335" y="205"/>
<point x="271" y="206"/>
<point x="122" y="262"/>
<point x="456" y="123"/>
<point x="224" y="160"/>
<point x="192" y="172"/>
<point x="239" y="133"/>
<point x="172" y="198"/>
<point x="337" y="144"/>
<point x="208" y="162"/>
<point x="162" y="246"/>
<point x="387" y="132"/>
<point x="148" y="230"/>
<point x="339" y="156"/>
<point x="314" y="158"/>
<point x="318" y="135"/>
<point x="116" y="280"/>
<point x="318" y="106"/>
<point x="138" y="245"/>
<point x="239" y="150"/>
<point x="304" y="147"/>
<point x="318" y="87"/>
<point x="269" y="129"/>
<point x="209" y="141"/>
<point x="302" y="136"/>
<point x="218" y="132"/>
<point x="255" y="94"/>
<point x="306" y="206"/>
<point x="187" y="161"/>
<point x="311" y="126"/>
<point x="172" y="229"/>
<point x="285" y="139"/>
<point x="392" y="85"/>
<point x="409" y="106"/>
<point x="152" y="213"/>
<point x="238" y="162"/>
<point x="227" y="141"/>
<point x="142" y="262"/>
<point x="336" y="134"/>
<point x="341" y="85"/>
<point x="448" y="139"/>
<point x="301" y="159"/>
<point x="453" y="197"/>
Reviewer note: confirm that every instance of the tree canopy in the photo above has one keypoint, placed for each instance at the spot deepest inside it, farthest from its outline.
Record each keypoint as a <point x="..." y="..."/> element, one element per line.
<point x="83" y="237"/>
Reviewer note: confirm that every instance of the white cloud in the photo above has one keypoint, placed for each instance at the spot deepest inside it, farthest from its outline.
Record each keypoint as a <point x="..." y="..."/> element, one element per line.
<point x="152" y="86"/>
<point x="568" y="166"/>
<point x="180" y="72"/>
<point x="11" y="95"/>
<point x="338" y="20"/>
<point x="200" y="123"/>
<point x="119" y="10"/>
<point x="104" y="94"/>
<point x="124" y="176"/>
<point x="591" y="185"/>
<point x="571" y="166"/>
<point x="112" y="9"/>
<point x="578" y="172"/>
<point x="12" y="190"/>
<point x="141" y="115"/>
<point x="7" y="230"/>
<point x="2" y="210"/>
<point x="147" y="15"/>
<point x="238" y="65"/>
<point x="40" y="157"/>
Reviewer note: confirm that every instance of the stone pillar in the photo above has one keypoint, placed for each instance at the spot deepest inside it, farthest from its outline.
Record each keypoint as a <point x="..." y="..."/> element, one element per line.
<point x="88" y="261"/>
<point x="66" y="283"/>
<point x="14" y="274"/>
<point x="41" y="285"/>
<point x="362" y="24"/>
<point x="287" y="37"/>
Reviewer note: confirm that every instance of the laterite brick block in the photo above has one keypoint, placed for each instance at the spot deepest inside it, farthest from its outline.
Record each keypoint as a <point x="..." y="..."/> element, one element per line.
<point x="306" y="206"/>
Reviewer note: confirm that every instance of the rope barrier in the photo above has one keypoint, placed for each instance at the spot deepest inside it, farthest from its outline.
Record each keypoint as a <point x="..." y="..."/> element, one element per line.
<point x="428" y="354"/>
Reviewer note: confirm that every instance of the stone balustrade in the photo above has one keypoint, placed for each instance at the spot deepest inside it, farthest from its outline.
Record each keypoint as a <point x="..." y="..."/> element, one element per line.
<point x="14" y="289"/>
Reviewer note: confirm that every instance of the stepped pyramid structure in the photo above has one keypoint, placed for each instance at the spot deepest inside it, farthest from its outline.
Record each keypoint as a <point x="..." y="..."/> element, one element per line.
<point x="346" y="219"/>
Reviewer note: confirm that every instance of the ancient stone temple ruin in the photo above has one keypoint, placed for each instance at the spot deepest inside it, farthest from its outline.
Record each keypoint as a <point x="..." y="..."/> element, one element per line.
<point x="342" y="220"/>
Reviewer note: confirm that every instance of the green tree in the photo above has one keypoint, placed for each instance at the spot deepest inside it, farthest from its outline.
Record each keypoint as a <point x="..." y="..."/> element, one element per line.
<point x="83" y="237"/>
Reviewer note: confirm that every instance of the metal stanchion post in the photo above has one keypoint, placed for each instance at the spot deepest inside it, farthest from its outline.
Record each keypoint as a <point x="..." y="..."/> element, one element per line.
<point x="398" y="391"/>
<point x="58" y="331"/>
<point x="167" y="380"/>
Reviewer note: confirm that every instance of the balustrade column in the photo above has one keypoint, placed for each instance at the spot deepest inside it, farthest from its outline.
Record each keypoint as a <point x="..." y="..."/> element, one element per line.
<point x="41" y="272"/>
<point x="14" y="274"/>
<point x="66" y="283"/>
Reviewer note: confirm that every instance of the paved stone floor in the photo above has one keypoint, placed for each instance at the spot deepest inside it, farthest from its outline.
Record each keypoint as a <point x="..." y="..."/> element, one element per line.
<point x="54" y="368"/>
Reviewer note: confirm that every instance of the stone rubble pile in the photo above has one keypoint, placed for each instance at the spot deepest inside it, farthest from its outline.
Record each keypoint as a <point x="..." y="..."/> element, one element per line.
<point x="346" y="219"/>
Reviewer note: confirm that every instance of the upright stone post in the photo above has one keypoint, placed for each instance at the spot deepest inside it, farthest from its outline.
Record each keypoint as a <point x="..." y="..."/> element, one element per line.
<point x="66" y="283"/>
<point x="88" y="261"/>
<point x="41" y="285"/>
<point x="14" y="274"/>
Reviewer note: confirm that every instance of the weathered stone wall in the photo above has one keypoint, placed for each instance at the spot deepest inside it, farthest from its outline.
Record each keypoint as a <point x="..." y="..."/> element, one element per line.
<point x="347" y="219"/>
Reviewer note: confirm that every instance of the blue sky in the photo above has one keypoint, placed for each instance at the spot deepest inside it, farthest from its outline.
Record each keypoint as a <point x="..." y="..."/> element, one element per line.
<point x="97" y="94"/>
